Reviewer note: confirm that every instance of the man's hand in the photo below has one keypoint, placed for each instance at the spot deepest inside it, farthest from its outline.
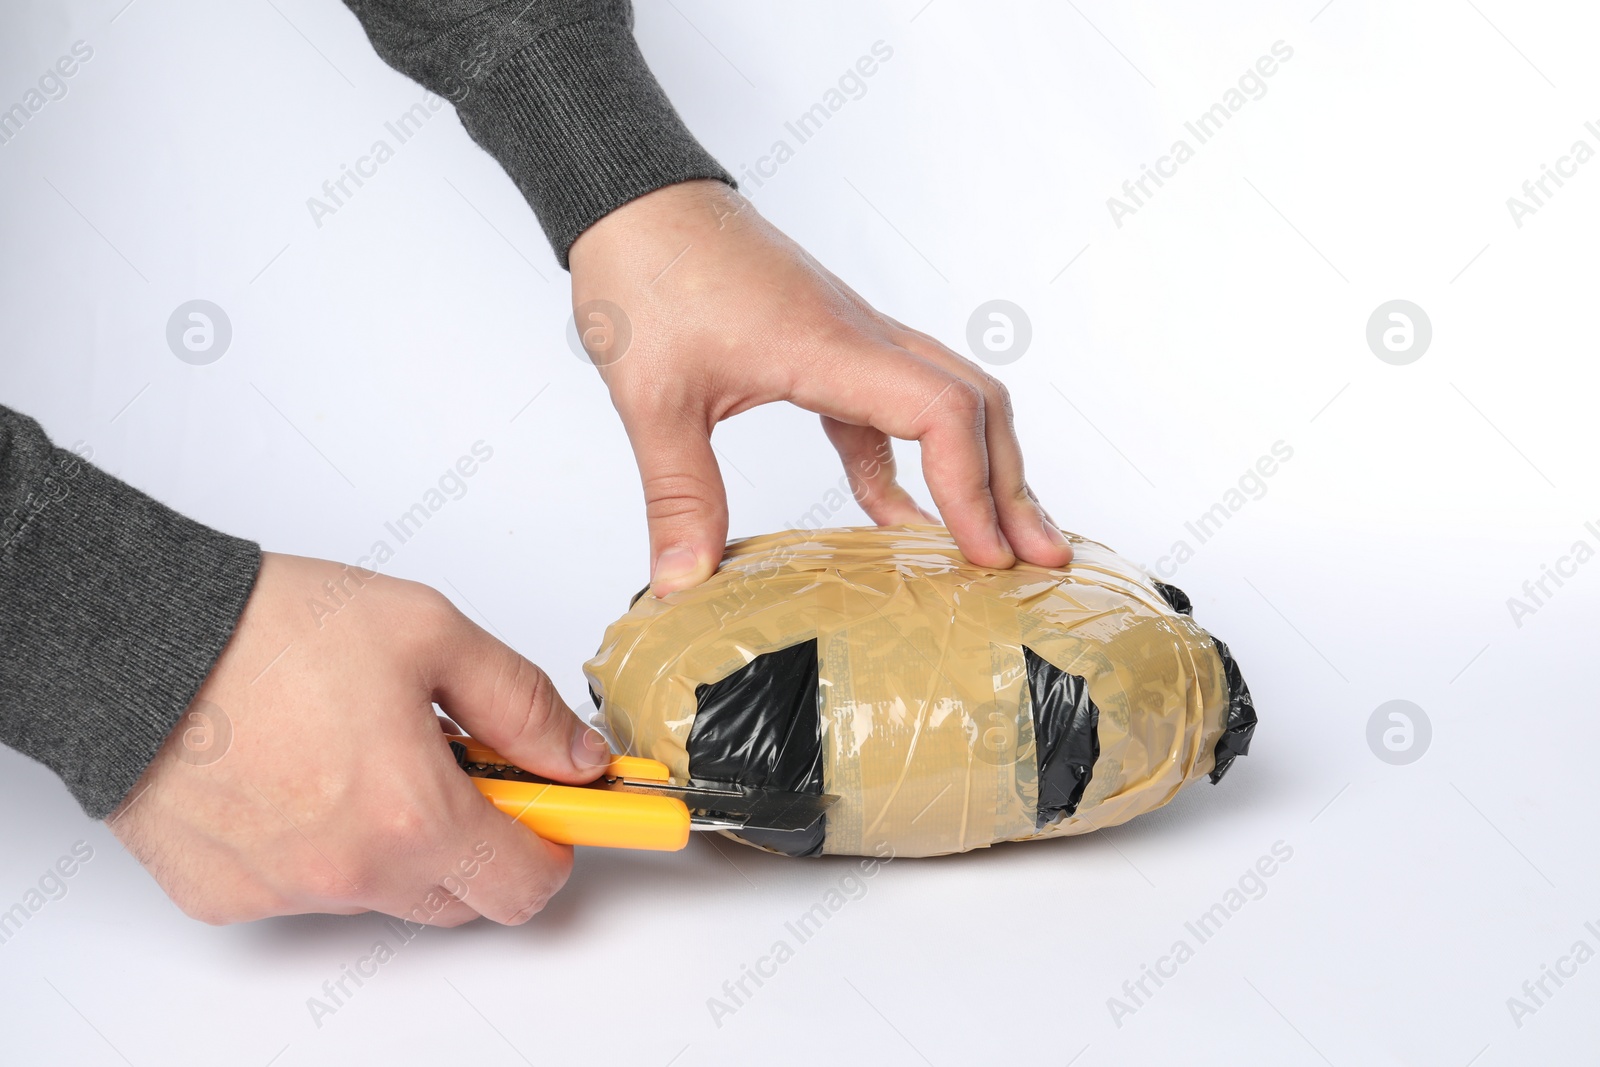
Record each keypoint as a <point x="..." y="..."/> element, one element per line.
<point x="724" y="313"/>
<point x="311" y="774"/>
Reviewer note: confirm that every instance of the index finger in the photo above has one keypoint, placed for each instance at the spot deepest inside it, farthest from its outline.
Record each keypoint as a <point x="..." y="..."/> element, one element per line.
<point x="905" y="396"/>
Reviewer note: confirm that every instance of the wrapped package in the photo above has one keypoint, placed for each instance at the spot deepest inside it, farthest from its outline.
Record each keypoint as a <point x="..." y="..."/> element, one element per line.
<point x="947" y="706"/>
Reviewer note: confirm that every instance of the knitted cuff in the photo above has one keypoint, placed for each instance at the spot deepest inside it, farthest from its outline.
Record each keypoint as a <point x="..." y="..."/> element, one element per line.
<point x="579" y="122"/>
<point x="113" y="608"/>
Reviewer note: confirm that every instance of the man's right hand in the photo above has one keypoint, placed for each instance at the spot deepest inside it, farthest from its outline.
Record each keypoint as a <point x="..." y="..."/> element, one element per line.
<point x="311" y="774"/>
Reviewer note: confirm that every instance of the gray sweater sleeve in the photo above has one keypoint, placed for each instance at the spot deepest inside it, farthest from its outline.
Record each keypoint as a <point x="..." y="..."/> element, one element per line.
<point x="555" y="90"/>
<point x="113" y="608"/>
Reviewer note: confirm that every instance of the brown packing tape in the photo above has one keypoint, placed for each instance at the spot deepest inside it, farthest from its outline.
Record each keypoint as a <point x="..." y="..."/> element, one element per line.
<point x="927" y="726"/>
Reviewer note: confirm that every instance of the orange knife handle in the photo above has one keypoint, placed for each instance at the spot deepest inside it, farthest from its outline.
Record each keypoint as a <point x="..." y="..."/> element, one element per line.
<point x="638" y="767"/>
<point x="619" y="767"/>
<point x="574" y="815"/>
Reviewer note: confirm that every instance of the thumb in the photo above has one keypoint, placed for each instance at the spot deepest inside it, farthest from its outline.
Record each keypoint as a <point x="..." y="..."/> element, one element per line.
<point x="684" y="500"/>
<point x="511" y="705"/>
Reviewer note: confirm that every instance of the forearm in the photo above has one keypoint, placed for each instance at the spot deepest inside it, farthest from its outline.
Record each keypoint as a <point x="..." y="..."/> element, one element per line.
<point x="555" y="90"/>
<point x="113" y="609"/>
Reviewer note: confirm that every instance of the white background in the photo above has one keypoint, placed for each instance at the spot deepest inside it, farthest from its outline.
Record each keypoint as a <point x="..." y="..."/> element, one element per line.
<point x="1229" y="313"/>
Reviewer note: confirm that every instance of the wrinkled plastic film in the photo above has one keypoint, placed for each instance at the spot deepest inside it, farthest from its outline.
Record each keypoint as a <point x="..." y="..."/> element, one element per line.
<point x="925" y="697"/>
<point x="924" y="715"/>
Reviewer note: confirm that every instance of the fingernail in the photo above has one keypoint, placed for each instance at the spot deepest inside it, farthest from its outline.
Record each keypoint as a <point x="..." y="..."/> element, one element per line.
<point x="589" y="748"/>
<point x="1056" y="537"/>
<point x="1005" y="546"/>
<point x="673" y="566"/>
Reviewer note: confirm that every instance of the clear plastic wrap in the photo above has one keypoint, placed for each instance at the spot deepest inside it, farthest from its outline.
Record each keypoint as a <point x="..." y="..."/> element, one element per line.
<point x="948" y="706"/>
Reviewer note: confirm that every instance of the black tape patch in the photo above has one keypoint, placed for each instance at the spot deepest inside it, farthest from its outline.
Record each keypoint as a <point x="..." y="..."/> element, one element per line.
<point x="1066" y="736"/>
<point x="1235" y="739"/>
<point x="762" y="726"/>
<point x="1241" y="721"/>
<point x="1176" y="598"/>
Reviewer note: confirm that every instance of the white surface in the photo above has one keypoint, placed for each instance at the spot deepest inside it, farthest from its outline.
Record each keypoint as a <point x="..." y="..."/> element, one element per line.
<point x="1376" y="567"/>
